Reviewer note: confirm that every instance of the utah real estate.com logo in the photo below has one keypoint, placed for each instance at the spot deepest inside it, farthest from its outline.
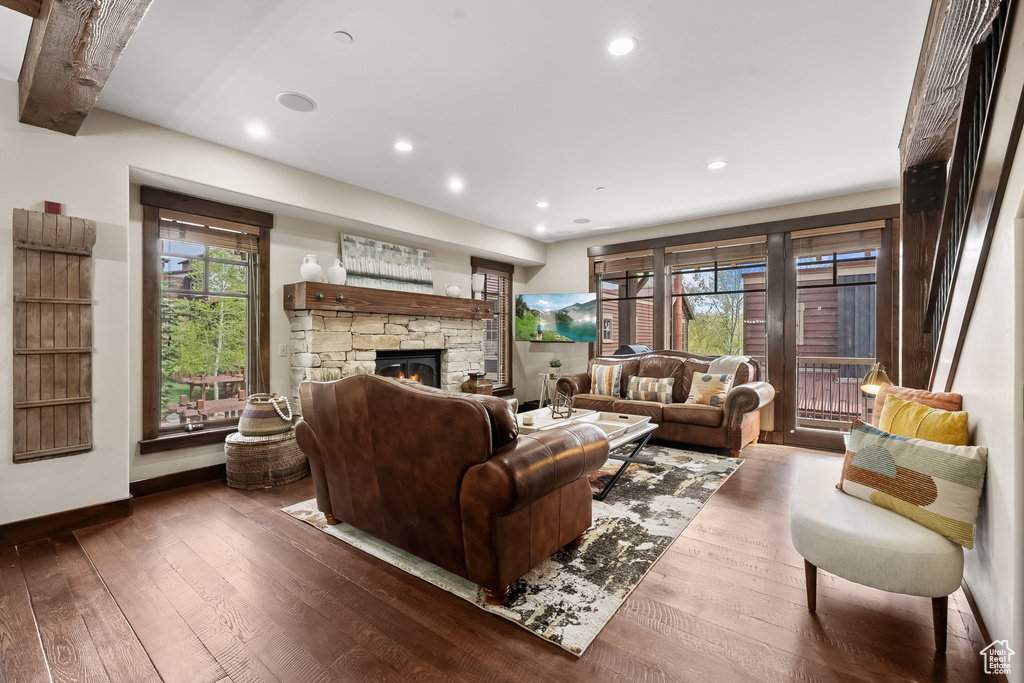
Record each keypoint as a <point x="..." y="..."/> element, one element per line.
<point x="997" y="657"/>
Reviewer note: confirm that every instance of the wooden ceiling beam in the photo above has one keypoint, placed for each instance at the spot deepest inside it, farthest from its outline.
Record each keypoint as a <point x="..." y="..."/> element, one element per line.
<point x="72" y="48"/>
<point x="954" y="27"/>
<point x="29" y="7"/>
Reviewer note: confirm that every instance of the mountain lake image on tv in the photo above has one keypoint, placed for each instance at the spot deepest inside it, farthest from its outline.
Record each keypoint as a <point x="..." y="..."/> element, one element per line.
<point x="556" y="317"/>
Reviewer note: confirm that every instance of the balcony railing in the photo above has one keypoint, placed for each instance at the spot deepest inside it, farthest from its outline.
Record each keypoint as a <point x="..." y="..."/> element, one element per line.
<point x="828" y="392"/>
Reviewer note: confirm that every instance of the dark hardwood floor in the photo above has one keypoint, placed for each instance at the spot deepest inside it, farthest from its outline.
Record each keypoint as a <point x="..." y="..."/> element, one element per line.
<point x="211" y="584"/>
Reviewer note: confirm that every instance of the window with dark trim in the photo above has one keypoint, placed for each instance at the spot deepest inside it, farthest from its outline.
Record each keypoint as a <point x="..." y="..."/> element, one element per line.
<point x="497" y="288"/>
<point x="205" y="317"/>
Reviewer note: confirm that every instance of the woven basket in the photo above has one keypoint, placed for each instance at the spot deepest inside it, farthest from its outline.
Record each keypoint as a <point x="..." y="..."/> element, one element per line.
<point x="264" y="415"/>
<point x="256" y="462"/>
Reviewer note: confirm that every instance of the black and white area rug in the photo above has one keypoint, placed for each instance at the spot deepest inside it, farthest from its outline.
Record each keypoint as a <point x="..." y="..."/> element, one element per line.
<point x="568" y="598"/>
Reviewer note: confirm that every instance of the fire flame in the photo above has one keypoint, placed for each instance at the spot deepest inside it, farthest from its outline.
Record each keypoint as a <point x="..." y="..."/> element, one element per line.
<point x="415" y="377"/>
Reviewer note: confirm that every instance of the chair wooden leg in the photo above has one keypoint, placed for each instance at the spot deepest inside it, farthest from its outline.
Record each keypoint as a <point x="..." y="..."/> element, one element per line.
<point x="577" y="542"/>
<point x="496" y="597"/>
<point x="811" y="579"/>
<point x="939" y="611"/>
<point x="330" y="519"/>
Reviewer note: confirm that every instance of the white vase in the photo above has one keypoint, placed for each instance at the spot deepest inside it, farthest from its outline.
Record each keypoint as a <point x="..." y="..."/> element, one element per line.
<point x="478" y="285"/>
<point x="453" y="290"/>
<point x="337" y="274"/>
<point x="310" y="269"/>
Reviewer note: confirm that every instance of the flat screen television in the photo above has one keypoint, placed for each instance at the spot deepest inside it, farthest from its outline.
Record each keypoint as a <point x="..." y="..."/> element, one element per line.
<point x="556" y="317"/>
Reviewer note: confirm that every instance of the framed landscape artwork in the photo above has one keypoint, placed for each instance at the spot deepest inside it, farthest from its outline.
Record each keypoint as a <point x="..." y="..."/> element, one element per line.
<point x="556" y="317"/>
<point x="382" y="265"/>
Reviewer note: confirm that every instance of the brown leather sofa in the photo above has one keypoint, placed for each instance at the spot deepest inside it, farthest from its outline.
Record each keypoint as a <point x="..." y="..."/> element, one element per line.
<point x="732" y="426"/>
<point x="447" y="476"/>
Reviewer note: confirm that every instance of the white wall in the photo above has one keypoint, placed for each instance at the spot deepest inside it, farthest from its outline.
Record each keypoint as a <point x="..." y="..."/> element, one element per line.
<point x="90" y="174"/>
<point x="91" y="180"/>
<point x="567" y="266"/>
<point x="990" y="375"/>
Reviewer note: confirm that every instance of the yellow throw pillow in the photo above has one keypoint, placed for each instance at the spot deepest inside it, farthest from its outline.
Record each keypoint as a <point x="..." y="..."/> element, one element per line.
<point x="917" y="421"/>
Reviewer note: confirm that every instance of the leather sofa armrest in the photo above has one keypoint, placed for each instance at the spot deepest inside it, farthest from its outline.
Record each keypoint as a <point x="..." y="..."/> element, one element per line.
<point x="533" y="466"/>
<point x="748" y="397"/>
<point x="574" y="384"/>
<point x="310" y="447"/>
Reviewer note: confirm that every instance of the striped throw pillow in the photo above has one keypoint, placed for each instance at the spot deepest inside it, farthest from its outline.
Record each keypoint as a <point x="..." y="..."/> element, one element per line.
<point x="934" y="484"/>
<point x="604" y="379"/>
<point x="709" y="390"/>
<point x="657" y="389"/>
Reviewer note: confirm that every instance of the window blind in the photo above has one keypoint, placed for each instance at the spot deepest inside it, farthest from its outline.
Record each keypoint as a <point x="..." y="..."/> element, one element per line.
<point x="497" y="330"/>
<point x="634" y="262"/>
<point x="839" y="243"/>
<point x="731" y="253"/>
<point x="218" y="238"/>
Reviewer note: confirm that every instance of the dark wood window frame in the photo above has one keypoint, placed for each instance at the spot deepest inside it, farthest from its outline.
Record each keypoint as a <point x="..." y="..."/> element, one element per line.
<point x="507" y="269"/>
<point x="779" y="248"/>
<point x="154" y="200"/>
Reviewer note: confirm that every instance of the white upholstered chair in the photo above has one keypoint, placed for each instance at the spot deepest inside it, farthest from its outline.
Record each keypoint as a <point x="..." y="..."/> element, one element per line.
<point x="870" y="545"/>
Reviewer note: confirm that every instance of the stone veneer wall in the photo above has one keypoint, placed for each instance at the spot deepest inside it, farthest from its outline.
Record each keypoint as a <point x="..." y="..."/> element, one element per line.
<point x="347" y="344"/>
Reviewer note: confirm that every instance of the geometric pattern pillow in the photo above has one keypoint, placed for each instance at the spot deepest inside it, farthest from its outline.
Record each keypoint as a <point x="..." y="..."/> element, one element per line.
<point x="650" y="389"/>
<point x="604" y="379"/>
<point x="907" y="418"/>
<point x="936" y="485"/>
<point x="709" y="390"/>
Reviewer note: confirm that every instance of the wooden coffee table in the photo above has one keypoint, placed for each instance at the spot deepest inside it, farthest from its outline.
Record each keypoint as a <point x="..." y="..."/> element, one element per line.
<point x="630" y="434"/>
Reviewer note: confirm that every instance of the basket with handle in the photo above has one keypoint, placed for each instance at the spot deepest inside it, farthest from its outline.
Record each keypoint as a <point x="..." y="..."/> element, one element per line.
<point x="264" y="415"/>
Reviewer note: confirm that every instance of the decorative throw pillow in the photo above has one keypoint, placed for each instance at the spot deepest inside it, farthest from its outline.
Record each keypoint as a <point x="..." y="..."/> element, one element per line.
<point x="906" y="418"/>
<point x="936" y="485"/>
<point x="709" y="390"/>
<point x="650" y="389"/>
<point x="932" y="399"/>
<point x="604" y="379"/>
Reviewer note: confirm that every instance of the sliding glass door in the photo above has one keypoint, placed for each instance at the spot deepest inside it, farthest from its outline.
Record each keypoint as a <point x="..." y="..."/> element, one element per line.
<point x="832" y="338"/>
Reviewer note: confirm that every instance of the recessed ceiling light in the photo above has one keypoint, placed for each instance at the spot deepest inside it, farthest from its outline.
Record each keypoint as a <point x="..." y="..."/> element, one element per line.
<point x="343" y="38"/>
<point x="541" y="228"/>
<point x="715" y="165"/>
<point x="581" y="221"/>
<point x="542" y="205"/>
<point x="295" y="101"/>
<point x="601" y="189"/>
<point x="256" y="130"/>
<point x="456" y="185"/>
<point x="622" y="46"/>
<point x="403" y="146"/>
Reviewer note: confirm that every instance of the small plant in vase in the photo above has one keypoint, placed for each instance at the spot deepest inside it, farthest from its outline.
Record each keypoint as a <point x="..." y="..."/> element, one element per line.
<point x="556" y="366"/>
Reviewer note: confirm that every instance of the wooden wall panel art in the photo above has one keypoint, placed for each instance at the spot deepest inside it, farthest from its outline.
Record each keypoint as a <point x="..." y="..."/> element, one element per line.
<point x="52" y="335"/>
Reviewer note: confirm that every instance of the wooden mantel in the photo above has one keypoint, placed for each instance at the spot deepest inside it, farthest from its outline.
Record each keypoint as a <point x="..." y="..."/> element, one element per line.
<point x="318" y="296"/>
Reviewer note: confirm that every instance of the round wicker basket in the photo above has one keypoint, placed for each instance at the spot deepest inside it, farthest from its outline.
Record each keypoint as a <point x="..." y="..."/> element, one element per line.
<point x="256" y="462"/>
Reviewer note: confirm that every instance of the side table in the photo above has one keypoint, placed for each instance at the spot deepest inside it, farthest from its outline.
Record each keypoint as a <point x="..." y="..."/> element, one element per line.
<point x="256" y="462"/>
<point x="548" y="390"/>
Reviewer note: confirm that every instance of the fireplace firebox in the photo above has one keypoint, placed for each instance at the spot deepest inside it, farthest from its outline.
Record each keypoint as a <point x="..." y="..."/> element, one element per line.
<point x="424" y="366"/>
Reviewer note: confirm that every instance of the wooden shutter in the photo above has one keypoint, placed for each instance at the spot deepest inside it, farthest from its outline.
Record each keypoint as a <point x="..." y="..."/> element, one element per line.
<point x="52" y="335"/>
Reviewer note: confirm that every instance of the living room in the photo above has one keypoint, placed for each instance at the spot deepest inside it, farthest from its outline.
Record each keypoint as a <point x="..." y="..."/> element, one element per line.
<point x="99" y="174"/>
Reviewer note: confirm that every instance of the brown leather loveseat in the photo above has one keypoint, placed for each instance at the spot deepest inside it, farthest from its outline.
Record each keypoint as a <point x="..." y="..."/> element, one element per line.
<point x="446" y="476"/>
<point x="731" y="426"/>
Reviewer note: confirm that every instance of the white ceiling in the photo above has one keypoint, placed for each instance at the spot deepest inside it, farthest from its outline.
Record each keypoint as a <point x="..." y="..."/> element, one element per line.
<point x="802" y="98"/>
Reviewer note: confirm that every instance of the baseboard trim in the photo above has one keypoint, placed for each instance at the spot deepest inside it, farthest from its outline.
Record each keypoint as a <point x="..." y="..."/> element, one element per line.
<point x="985" y="636"/>
<point x="177" y="480"/>
<point x="33" y="529"/>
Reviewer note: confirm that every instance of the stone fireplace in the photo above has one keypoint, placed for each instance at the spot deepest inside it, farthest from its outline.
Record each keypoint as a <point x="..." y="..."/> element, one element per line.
<point x="423" y="366"/>
<point x="333" y="344"/>
<point x="337" y="331"/>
